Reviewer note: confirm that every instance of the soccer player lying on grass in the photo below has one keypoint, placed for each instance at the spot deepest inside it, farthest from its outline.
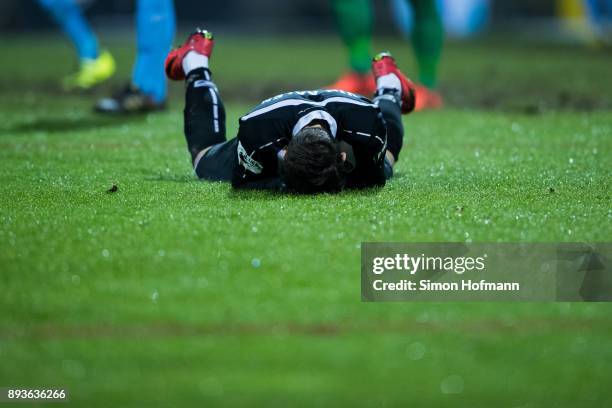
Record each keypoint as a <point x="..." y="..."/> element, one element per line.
<point x="307" y="142"/>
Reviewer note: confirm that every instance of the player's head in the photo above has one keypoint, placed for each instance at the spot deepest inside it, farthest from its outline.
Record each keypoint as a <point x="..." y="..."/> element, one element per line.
<point x="313" y="162"/>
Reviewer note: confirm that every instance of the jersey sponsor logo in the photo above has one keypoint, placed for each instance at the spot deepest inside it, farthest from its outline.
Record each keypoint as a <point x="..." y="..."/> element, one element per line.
<point x="247" y="161"/>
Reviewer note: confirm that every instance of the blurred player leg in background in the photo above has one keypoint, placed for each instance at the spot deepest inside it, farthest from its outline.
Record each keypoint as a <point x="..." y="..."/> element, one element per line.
<point x="589" y="21"/>
<point x="156" y="24"/>
<point x="574" y="18"/>
<point x="354" y="21"/>
<point x="95" y="66"/>
<point x="600" y="14"/>
<point x="426" y="22"/>
<point x="147" y="91"/>
<point x="427" y="39"/>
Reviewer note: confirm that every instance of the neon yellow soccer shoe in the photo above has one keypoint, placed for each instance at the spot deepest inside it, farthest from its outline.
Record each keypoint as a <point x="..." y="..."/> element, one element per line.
<point x="92" y="72"/>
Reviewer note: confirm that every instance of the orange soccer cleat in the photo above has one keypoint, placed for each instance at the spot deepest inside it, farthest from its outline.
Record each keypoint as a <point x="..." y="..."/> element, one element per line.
<point x="427" y="98"/>
<point x="354" y="82"/>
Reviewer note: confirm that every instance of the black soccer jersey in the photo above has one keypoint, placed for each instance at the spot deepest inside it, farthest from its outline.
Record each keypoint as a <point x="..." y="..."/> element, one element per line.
<point x="268" y="128"/>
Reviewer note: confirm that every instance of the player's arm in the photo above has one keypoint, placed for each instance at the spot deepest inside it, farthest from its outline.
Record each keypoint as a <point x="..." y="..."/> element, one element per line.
<point x="257" y="156"/>
<point x="369" y="149"/>
<point x="255" y="169"/>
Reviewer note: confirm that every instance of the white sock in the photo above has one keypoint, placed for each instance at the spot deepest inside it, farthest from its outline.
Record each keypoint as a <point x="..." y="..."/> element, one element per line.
<point x="194" y="60"/>
<point x="389" y="81"/>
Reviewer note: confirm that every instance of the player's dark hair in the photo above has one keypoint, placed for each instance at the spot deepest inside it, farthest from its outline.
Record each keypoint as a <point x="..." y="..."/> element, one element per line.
<point x="313" y="163"/>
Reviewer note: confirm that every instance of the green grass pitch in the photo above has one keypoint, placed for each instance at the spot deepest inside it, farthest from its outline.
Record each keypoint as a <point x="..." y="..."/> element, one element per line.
<point x="174" y="292"/>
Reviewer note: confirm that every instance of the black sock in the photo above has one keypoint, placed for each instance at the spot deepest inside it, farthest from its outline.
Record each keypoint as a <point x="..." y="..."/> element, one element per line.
<point x="204" y="112"/>
<point x="389" y="104"/>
